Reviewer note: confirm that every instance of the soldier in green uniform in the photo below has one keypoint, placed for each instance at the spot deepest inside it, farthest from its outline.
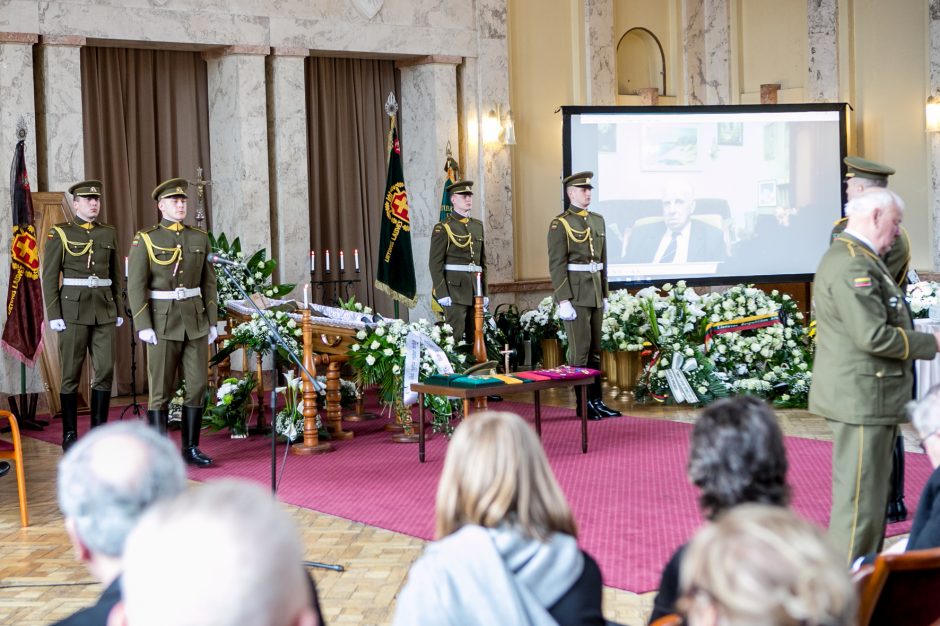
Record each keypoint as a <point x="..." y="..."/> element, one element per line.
<point x="83" y="307"/>
<point x="862" y="371"/>
<point x="577" y="262"/>
<point x="456" y="258"/>
<point x="862" y="175"/>
<point x="172" y="292"/>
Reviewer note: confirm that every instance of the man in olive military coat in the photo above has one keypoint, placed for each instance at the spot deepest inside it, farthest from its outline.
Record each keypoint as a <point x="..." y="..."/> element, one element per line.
<point x="83" y="306"/>
<point x="457" y="256"/>
<point x="577" y="262"/>
<point x="172" y="292"/>
<point x="860" y="176"/>
<point x="862" y="370"/>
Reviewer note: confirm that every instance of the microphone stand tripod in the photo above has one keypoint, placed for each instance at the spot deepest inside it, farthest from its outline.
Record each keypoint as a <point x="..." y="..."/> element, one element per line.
<point x="135" y="405"/>
<point x="279" y="340"/>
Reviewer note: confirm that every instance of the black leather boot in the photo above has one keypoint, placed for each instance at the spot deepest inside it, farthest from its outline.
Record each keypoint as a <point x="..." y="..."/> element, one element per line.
<point x="189" y="431"/>
<point x="158" y="419"/>
<point x="69" y="403"/>
<point x="897" y="510"/>
<point x="4" y="468"/>
<point x="598" y="403"/>
<point x="100" y="403"/>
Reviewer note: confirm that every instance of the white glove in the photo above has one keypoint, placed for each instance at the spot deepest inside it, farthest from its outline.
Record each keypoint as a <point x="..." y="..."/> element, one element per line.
<point x="486" y="303"/>
<point x="566" y="311"/>
<point x="118" y="322"/>
<point x="445" y="301"/>
<point x="213" y="334"/>
<point x="148" y="336"/>
<point x="57" y="325"/>
<point x="606" y="305"/>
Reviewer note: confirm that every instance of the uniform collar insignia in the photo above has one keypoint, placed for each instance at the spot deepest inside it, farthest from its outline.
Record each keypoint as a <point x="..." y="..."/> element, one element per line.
<point x="581" y="212"/>
<point x="174" y="226"/>
<point x="83" y="224"/>
<point x="463" y="220"/>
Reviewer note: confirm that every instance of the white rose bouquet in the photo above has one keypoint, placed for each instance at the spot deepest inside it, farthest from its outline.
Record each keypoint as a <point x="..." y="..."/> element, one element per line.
<point x="922" y="296"/>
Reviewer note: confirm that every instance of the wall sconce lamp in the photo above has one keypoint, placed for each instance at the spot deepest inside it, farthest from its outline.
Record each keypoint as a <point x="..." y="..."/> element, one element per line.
<point x="496" y="129"/>
<point x="933" y="114"/>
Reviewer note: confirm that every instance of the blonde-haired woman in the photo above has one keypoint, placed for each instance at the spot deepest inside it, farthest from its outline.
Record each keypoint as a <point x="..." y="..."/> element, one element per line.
<point x="761" y="564"/>
<point x="506" y="550"/>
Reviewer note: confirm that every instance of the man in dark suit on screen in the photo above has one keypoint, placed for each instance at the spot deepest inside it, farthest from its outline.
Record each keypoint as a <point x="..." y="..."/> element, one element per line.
<point x="677" y="238"/>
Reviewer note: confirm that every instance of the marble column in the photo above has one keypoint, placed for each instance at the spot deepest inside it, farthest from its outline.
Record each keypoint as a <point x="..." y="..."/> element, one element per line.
<point x="933" y="42"/>
<point x="484" y="85"/>
<point x="600" y="52"/>
<point x="706" y="51"/>
<point x="428" y="121"/>
<point x="290" y="191"/>
<point x="60" y="126"/>
<point x="822" y="24"/>
<point x="238" y="143"/>
<point x="17" y="103"/>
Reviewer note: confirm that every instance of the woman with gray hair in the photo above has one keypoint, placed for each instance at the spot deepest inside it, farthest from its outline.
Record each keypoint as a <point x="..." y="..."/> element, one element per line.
<point x="507" y="551"/>
<point x="760" y="564"/>
<point x="925" y="416"/>
<point x="736" y="456"/>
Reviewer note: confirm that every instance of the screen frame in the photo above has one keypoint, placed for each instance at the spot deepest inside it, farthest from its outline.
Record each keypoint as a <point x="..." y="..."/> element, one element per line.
<point x="730" y="109"/>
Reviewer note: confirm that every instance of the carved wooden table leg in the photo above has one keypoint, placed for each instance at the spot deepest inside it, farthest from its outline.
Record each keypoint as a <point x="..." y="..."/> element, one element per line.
<point x="334" y="410"/>
<point x="311" y="444"/>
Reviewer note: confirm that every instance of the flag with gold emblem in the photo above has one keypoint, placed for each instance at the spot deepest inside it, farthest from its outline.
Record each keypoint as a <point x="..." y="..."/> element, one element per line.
<point x="396" y="268"/>
<point x="22" y="332"/>
<point x="451" y="175"/>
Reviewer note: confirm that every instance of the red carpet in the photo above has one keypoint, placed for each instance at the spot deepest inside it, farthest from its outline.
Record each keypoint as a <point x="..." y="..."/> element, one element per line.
<point x="629" y="494"/>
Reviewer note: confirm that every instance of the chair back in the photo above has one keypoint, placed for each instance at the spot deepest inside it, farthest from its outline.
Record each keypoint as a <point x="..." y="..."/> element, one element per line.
<point x="901" y="589"/>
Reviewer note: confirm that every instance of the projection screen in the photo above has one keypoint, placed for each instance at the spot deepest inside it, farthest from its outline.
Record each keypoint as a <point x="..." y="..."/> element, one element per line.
<point x="714" y="195"/>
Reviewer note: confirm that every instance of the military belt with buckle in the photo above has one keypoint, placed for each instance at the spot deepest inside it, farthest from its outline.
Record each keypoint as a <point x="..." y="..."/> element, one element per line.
<point x="592" y="267"/>
<point x="180" y="293"/>
<point x="91" y="282"/>
<point x="470" y="267"/>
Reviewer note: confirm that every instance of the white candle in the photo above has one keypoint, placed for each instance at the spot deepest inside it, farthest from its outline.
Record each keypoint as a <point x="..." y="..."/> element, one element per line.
<point x="306" y="297"/>
<point x="356" y="258"/>
<point x="342" y="261"/>
<point x="326" y="261"/>
<point x="125" y="267"/>
<point x="313" y="261"/>
<point x="479" y="284"/>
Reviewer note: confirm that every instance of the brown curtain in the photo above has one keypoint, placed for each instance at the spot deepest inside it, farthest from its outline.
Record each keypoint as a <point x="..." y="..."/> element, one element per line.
<point x="146" y="119"/>
<point x="347" y="129"/>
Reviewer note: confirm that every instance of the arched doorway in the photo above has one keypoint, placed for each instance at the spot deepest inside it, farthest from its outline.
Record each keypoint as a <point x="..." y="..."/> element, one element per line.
<point x="640" y="62"/>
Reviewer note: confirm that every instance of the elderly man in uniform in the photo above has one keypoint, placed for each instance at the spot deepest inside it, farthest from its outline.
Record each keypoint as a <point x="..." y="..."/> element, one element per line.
<point x="577" y="262"/>
<point x="860" y="176"/>
<point x="862" y="371"/>
<point x="83" y="307"/>
<point x="172" y="292"/>
<point x="456" y="257"/>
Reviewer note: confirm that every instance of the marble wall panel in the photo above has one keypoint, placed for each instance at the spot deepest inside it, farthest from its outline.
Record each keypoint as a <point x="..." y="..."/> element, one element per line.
<point x="706" y="48"/>
<point x="62" y="154"/>
<point x="290" y="192"/>
<point x="16" y="85"/>
<point x="19" y="16"/>
<point x="822" y="84"/>
<point x="933" y="41"/>
<point x="600" y="52"/>
<point x="239" y="149"/>
<point x="428" y="122"/>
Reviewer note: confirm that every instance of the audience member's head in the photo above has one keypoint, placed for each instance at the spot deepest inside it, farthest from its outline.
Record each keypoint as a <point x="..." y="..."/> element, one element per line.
<point x="877" y="214"/>
<point x="760" y="564"/>
<point x="496" y="471"/>
<point x="107" y="481"/>
<point x="925" y="416"/>
<point x="678" y="203"/>
<point x="225" y="554"/>
<point x="737" y="456"/>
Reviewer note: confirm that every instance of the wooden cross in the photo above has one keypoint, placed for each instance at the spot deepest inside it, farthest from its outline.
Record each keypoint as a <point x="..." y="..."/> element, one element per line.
<point x="506" y="352"/>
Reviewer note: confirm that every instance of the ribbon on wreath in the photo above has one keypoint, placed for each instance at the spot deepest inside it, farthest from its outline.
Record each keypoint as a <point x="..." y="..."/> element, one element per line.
<point x="741" y="324"/>
<point x="414" y="343"/>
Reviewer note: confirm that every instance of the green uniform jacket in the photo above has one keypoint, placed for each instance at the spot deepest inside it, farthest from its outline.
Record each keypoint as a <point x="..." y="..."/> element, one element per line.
<point x="459" y="250"/>
<point x="864" y="339"/>
<point x="78" y="259"/>
<point x="898" y="257"/>
<point x="172" y="319"/>
<point x="585" y="243"/>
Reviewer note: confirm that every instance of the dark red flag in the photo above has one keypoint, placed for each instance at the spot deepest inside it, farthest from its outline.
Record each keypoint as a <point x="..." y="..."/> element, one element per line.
<point x="22" y="333"/>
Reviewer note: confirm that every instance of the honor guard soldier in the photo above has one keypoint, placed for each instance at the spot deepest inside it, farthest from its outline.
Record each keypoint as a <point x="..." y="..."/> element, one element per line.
<point x="577" y="261"/>
<point x="172" y="292"/>
<point x="456" y="258"/>
<point x="83" y="307"/>
<point x="862" y="175"/>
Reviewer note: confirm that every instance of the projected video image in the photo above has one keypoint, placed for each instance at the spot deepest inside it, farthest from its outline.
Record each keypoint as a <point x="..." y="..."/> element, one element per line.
<point x="740" y="193"/>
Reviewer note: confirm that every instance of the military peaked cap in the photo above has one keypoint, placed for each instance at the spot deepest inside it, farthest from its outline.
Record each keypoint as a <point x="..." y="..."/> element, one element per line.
<point x="170" y="188"/>
<point x="581" y="179"/>
<point x="863" y="168"/>
<point x="463" y="187"/>
<point x="86" y="189"/>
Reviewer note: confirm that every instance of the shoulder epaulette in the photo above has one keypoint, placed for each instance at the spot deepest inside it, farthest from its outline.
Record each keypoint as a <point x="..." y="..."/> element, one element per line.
<point x="149" y="230"/>
<point x="198" y="230"/>
<point x="61" y="224"/>
<point x="107" y="226"/>
<point x="839" y="221"/>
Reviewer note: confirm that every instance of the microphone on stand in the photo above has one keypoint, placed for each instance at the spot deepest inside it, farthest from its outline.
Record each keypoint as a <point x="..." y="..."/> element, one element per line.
<point x="218" y="259"/>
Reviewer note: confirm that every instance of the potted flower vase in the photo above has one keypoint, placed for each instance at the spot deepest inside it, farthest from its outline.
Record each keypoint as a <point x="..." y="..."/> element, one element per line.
<point x="551" y="353"/>
<point x="609" y="367"/>
<point x="629" y="367"/>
